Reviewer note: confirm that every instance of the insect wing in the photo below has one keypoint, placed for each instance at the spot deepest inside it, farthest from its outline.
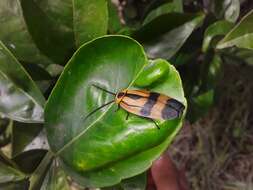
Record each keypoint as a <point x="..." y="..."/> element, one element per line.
<point x="151" y="105"/>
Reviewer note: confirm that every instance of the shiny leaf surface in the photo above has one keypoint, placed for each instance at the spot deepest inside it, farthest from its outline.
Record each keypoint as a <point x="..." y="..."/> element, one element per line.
<point x="15" y="34"/>
<point x="64" y="25"/>
<point x="166" y="34"/>
<point x="163" y="9"/>
<point x="241" y="35"/>
<point x="106" y="148"/>
<point x="21" y="99"/>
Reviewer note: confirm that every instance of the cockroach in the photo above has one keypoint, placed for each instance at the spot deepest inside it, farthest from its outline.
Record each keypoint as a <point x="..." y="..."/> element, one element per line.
<point x="150" y="105"/>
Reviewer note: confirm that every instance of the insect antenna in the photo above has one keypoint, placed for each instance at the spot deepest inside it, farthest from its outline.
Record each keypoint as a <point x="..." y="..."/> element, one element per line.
<point x="100" y="107"/>
<point x="104" y="89"/>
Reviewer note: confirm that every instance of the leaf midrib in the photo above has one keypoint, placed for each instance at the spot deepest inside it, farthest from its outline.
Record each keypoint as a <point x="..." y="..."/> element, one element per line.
<point x="99" y="118"/>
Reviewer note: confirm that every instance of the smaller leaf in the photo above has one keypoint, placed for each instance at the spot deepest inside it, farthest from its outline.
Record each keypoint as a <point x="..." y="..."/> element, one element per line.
<point x="178" y="5"/>
<point x="15" y="34"/>
<point x="27" y="137"/>
<point x="21" y="99"/>
<point x="5" y="131"/>
<point x="218" y="28"/>
<point x="29" y="160"/>
<point x="227" y="9"/>
<point x="14" y="185"/>
<point x="135" y="183"/>
<point x="241" y="35"/>
<point x="114" y="24"/>
<point x="163" y="9"/>
<point x="39" y="174"/>
<point x="232" y="10"/>
<point x="55" y="179"/>
<point x="9" y="174"/>
<point x="200" y="105"/>
<point x="167" y="45"/>
<point x="246" y="55"/>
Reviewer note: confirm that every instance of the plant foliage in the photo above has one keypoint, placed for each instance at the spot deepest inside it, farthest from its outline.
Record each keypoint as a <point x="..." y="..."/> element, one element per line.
<point x="51" y="52"/>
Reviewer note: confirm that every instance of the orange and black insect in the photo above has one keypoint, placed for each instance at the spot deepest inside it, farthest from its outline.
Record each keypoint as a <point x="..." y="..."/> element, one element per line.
<point x="151" y="105"/>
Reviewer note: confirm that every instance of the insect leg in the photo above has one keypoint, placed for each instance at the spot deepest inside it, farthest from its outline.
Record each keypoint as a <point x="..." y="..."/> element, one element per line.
<point x="127" y="115"/>
<point x="117" y="108"/>
<point x="154" y="123"/>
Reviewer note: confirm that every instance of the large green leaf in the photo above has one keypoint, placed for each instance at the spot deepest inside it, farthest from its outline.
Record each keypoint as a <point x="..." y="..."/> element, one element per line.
<point x="15" y="35"/>
<point x="241" y="35"/>
<point x="107" y="148"/>
<point x="166" y="34"/>
<point x="64" y="25"/>
<point x="21" y="99"/>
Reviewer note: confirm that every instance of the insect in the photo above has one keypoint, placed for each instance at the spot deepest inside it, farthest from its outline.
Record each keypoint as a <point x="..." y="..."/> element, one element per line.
<point x="150" y="105"/>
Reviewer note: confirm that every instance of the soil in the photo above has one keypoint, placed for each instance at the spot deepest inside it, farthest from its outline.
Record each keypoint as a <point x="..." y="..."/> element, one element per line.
<point x="217" y="151"/>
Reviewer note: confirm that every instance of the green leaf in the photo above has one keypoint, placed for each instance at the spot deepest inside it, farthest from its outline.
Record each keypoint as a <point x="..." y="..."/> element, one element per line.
<point x="179" y="5"/>
<point x="241" y="35"/>
<point x="9" y="174"/>
<point x="232" y="11"/>
<point x="28" y="161"/>
<point x="20" y="185"/>
<point x="134" y="183"/>
<point x="114" y="24"/>
<point x="27" y="137"/>
<point x="200" y="105"/>
<point x="165" y="35"/>
<point x="104" y="149"/>
<point x="227" y="9"/>
<point x="64" y="25"/>
<point x="15" y="34"/>
<point x="40" y="75"/>
<point x="245" y="55"/>
<point x="38" y="176"/>
<point x="155" y="71"/>
<point x="21" y="100"/>
<point x="5" y="131"/>
<point x="55" y="179"/>
<point x="163" y="9"/>
<point x="219" y="28"/>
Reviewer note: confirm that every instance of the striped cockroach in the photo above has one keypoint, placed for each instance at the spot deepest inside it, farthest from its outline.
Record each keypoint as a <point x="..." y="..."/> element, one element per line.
<point x="150" y="105"/>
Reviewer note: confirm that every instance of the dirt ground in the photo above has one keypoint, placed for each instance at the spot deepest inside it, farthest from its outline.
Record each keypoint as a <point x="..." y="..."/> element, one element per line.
<point x="217" y="151"/>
